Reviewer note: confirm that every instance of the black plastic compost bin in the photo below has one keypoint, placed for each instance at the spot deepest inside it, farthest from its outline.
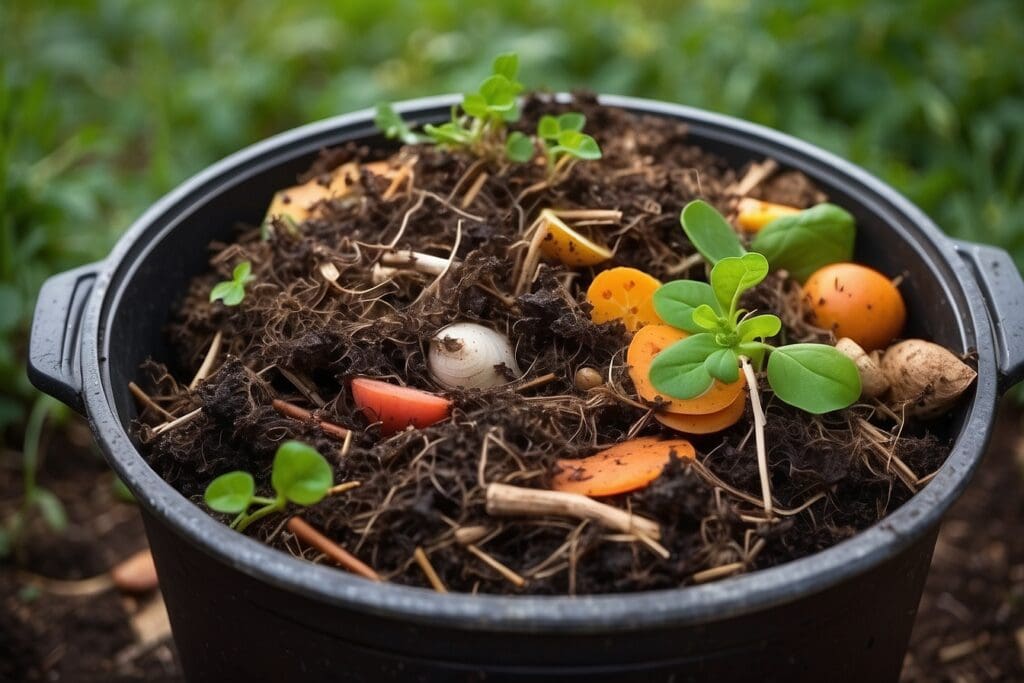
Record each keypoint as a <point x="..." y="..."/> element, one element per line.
<point x="243" y="611"/>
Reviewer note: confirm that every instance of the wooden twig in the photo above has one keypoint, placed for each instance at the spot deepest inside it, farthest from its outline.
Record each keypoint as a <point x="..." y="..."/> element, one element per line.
<point x="717" y="572"/>
<point x="177" y="422"/>
<point x="211" y="358"/>
<point x="297" y="413"/>
<point x="610" y="215"/>
<point x="465" y="535"/>
<point x="755" y="175"/>
<point x="143" y="398"/>
<point x="342" y="488"/>
<point x="310" y="536"/>
<point x="532" y="255"/>
<point x="474" y="190"/>
<point x="510" y="575"/>
<point x="303" y="386"/>
<point x="537" y="382"/>
<point x="421" y="263"/>
<point x="506" y="500"/>
<point x="428" y="570"/>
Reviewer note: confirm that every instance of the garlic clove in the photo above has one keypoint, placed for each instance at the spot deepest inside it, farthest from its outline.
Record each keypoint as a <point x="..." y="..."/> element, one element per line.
<point x="873" y="382"/>
<point x="470" y="356"/>
<point x="925" y="378"/>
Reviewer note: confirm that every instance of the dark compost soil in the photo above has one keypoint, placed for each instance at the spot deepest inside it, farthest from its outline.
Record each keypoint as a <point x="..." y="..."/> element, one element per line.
<point x="299" y="335"/>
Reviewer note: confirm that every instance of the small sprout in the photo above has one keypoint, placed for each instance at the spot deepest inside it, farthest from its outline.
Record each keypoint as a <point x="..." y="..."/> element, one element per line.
<point x="299" y="475"/>
<point x="562" y="137"/>
<point x="394" y="127"/>
<point x="815" y="378"/>
<point x="519" y="147"/>
<point x="232" y="291"/>
<point x="472" y="356"/>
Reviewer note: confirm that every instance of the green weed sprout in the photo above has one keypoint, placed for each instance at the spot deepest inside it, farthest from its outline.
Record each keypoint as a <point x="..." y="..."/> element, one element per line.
<point x="815" y="378"/>
<point x="232" y="291"/>
<point x="299" y="475"/>
<point x="562" y="137"/>
<point x="481" y="127"/>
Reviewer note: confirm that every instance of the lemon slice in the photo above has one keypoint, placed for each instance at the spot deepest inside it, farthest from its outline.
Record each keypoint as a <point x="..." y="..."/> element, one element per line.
<point x="755" y="214"/>
<point x="564" y="244"/>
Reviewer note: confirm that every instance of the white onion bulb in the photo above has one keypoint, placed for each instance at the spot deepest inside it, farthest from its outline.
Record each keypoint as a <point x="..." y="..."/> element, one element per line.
<point x="465" y="355"/>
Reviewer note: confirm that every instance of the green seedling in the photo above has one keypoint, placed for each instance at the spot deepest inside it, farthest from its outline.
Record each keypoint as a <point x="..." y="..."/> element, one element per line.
<point x="562" y="137"/>
<point x="35" y="498"/>
<point x="807" y="241"/>
<point x="480" y="124"/>
<point x="232" y="291"/>
<point x="299" y="475"/>
<point x="815" y="378"/>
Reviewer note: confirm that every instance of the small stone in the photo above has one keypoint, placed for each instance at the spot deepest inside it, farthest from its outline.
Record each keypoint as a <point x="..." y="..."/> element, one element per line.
<point x="137" y="574"/>
<point x="588" y="378"/>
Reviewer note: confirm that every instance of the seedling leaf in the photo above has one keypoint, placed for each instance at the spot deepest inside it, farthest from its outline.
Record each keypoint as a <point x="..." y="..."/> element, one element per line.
<point x="230" y="493"/>
<point x="804" y="242"/>
<point x="709" y="233"/>
<point x="548" y="127"/>
<point x="300" y="473"/>
<point x="51" y="509"/>
<point x="507" y="65"/>
<point x="723" y="365"/>
<point x="759" y="327"/>
<point x="679" y="370"/>
<point x="813" y="377"/>
<point x="572" y="121"/>
<point x="705" y="317"/>
<point x="389" y="122"/>
<point x="675" y="302"/>
<point x="733" y="275"/>
<point x="519" y="147"/>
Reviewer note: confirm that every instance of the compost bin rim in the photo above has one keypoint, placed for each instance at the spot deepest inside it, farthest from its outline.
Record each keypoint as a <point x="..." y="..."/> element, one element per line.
<point x="616" y="612"/>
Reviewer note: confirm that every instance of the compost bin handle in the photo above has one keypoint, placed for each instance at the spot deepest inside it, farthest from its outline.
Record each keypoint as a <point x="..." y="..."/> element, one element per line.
<point x="54" y="364"/>
<point x="1002" y="289"/>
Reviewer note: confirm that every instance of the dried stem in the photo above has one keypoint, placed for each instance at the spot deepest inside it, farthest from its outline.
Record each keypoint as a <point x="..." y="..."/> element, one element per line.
<point x="143" y="398"/>
<point x="428" y="570"/>
<point x="532" y="255"/>
<point x="510" y="575"/>
<point x="505" y="500"/>
<point x="177" y="422"/>
<point x="474" y="190"/>
<point x="310" y="536"/>
<point x="211" y="358"/>
<point x="297" y="413"/>
<point x="759" y="422"/>
<point x="718" y="572"/>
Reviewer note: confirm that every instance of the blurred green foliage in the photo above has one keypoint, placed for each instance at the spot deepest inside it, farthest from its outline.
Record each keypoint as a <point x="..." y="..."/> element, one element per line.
<point x="106" y="104"/>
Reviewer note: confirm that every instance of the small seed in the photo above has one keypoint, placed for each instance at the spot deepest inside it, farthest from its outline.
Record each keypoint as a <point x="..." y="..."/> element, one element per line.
<point x="588" y="378"/>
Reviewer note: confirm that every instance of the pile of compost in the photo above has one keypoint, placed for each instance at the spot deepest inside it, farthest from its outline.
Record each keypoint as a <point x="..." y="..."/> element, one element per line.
<point x="316" y="315"/>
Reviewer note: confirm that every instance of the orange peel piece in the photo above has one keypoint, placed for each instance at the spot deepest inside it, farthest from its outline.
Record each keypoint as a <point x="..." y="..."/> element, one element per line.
<point x="754" y="214"/>
<point x="625" y="294"/>
<point x="564" y="244"/>
<point x="624" y="467"/>
<point x="299" y="202"/>
<point x="647" y="343"/>
<point x="705" y="424"/>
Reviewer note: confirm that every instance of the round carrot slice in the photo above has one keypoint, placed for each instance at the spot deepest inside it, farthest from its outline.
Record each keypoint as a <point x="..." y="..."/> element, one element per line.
<point x="624" y="467"/>
<point x="564" y="244"/>
<point x="647" y="343"/>
<point x="705" y="424"/>
<point x="625" y="294"/>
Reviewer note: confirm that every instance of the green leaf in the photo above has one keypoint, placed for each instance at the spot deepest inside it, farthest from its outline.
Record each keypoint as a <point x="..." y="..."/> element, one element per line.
<point x="499" y="94"/>
<point x="572" y="121"/>
<point x="813" y="377"/>
<point x="705" y="317"/>
<point x="709" y="233"/>
<point x="507" y="65"/>
<point x="579" y="145"/>
<point x="519" y="147"/>
<point x="449" y="133"/>
<point x="679" y="370"/>
<point x="759" y="327"/>
<point x="548" y="127"/>
<point x="51" y="509"/>
<point x="228" y="292"/>
<point x="242" y="272"/>
<point x="300" y="473"/>
<point x="675" y="302"/>
<point x="475" y="105"/>
<point x="804" y="242"/>
<point x="231" y="493"/>
<point x="389" y="122"/>
<point x="732" y="276"/>
<point x="723" y="365"/>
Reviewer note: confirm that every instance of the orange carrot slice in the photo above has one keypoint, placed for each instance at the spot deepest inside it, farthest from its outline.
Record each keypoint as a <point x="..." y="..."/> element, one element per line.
<point x="647" y="343"/>
<point x="754" y="214"/>
<point x="624" y="467"/>
<point x="625" y="294"/>
<point x="705" y="424"/>
<point x="564" y="244"/>
<point x="397" y="407"/>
